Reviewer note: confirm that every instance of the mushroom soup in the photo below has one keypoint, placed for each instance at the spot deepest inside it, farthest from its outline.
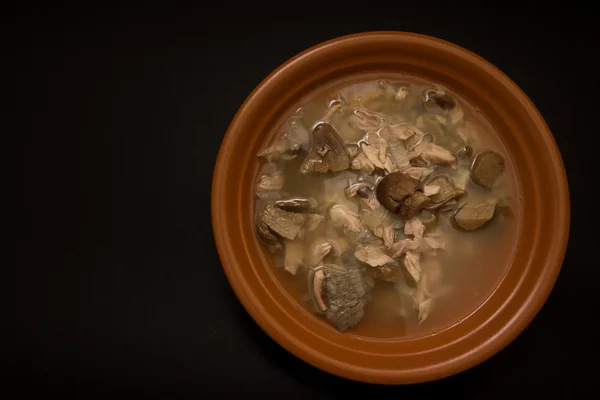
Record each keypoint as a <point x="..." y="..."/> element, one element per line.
<point x="391" y="207"/>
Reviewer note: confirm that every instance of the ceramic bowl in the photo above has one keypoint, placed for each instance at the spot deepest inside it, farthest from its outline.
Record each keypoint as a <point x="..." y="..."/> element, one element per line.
<point x="541" y="179"/>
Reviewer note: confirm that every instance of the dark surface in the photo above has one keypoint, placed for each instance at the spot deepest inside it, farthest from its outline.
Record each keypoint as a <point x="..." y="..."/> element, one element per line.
<point x="118" y="286"/>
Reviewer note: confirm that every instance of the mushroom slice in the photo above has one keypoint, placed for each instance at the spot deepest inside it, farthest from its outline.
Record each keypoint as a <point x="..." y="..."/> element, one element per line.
<point x="394" y="188"/>
<point x="266" y="235"/>
<point x="296" y="204"/>
<point x="327" y="152"/>
<point x="316" y="281"/>
<point x="473" y="216"/>
<point x="437" y="100"/>
<point x="486" y="168"/>
<point x="340" y="293"/>
<point x="284" y="223"/>
<point x="413" y="204"/>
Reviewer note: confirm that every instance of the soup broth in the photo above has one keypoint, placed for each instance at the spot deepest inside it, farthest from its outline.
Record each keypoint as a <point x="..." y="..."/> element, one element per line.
<point x="391" y="207"/>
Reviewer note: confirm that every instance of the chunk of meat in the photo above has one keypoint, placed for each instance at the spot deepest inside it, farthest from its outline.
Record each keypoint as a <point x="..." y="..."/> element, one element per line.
<point x="294" y="254"/>
<point x="318" y="253"/>
<point x="365" y="120"/>
<point x="283" y="148"/>
<point x="343" y="216"/>
<point x="313" y="221"/>
<point x="362" y="163"/>
<point x="423" y="304"/>
<point x="400" y="247"/>
<point x="402" y="131"/>
<point x="372" y="255"/>
<point x="446" y="192"/>
<point x="432" y="153"/>
<point x="399" y="155"/>
<point x="430" y="190"/>
<point x="414" y="227"/>
<point x="375" y="150"/>
<point x="268" y="183"/>
<point x="418" y="173"/>
<point x="435" y="241"/>
<point x="412" y="265"/>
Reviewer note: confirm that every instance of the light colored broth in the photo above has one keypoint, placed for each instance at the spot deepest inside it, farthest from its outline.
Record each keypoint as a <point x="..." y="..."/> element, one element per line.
<point x="472" y="263"/>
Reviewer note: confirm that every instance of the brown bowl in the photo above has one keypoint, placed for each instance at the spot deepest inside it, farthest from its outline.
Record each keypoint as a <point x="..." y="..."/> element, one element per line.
<point x="541" y="179"/>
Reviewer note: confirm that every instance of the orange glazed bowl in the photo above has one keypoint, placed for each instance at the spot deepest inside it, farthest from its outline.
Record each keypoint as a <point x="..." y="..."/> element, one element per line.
<point x="542" y="187"/>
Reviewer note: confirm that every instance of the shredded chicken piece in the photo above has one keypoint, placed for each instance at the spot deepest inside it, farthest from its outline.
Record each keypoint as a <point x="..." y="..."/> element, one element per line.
<point x="430" y="190"/>
<point x="362" y="163"/>
<point x="423" y="304"/>
<point x="432" y="153"/>
<point x="313" y="221"/>
<point x="318" y="253"/>
<point x="372" y="255"/>
<point x="414" y="227"/>
<point x="418" y="173"/>
<point x="294" y="253"/>
<point x="268" y="183"/>
<point x="402" y="246"/>
<point x="461" y="178"/>
<point x="432" y="242"/>
<point x="402" y="131"/>
<point x="345" y="217"/>
<point x="412" y="263"/>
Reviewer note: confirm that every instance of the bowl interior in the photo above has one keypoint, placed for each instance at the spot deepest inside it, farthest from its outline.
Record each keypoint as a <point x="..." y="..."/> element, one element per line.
<point x="541" y="180"/>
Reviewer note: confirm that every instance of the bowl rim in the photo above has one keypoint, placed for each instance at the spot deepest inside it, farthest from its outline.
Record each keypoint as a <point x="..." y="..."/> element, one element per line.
<point x="503" y="336"/>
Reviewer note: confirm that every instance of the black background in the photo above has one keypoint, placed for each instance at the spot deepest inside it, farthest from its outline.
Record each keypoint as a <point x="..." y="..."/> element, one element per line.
<point x="118" y="289"/>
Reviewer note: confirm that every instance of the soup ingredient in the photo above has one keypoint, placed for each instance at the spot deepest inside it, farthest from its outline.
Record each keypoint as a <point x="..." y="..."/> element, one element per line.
<point x="445" y="193"/>
<point x="268" y="183"/>
<point x="486" y="169"/>
<point x="283" y="148"/>
<point x="296" y="204"/>
<point x="412" y="264"/>
<point x="372" y="255"/>
<point x="266" y="235"/>
<point x="343" y="216"/>
<point x="465" y="152"/>
<point x="388" y="273"/>
<point x="394" y="188"/>
<point x="372" y="202"/>
<point x="285" y="223"/>
<point x="413" y="204"/>
<point x="436" y="100"/>
<point x="431" y="154"/>
<point x="294" y="254"/>
<point x="473" y="216"/>
<point x="326" y="153"/>
<point x="340" y="293"/>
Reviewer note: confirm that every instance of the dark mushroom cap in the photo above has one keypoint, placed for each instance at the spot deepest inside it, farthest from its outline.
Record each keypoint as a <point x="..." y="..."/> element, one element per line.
<point x="394" y="188"/>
